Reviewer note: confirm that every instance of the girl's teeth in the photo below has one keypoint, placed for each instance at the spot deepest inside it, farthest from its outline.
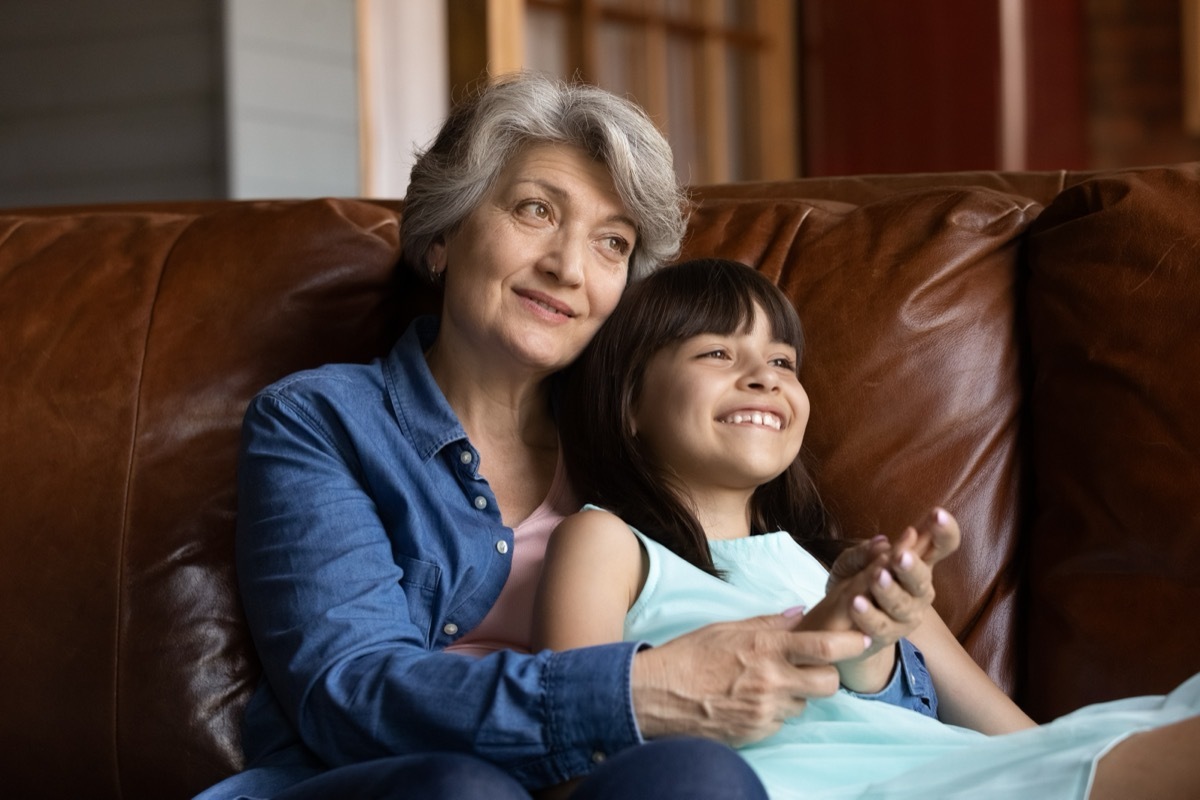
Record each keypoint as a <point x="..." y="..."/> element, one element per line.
<point x="756" y="418"/>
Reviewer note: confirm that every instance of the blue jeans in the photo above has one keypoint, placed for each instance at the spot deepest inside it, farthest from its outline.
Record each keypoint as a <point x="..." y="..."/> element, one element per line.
<point x="673" y="769"/>
<point x="665" y="769"/>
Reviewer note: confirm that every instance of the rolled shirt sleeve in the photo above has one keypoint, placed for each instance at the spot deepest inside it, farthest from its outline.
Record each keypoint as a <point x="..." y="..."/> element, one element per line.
<point x="910" y="686"/>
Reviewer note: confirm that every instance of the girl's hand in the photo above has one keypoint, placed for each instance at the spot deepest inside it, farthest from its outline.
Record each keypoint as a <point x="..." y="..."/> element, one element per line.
<point x="884" y="590"/>
<point x="934" y="538"/>
<point x="901" y="579"/>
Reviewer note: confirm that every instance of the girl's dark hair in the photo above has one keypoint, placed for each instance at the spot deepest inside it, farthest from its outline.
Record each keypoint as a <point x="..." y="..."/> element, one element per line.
<point x="606" y="461"/>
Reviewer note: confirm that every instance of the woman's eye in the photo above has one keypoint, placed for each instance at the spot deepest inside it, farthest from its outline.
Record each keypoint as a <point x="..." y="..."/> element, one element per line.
<point x="536" y="208"/>
<point x="616" y="245"/>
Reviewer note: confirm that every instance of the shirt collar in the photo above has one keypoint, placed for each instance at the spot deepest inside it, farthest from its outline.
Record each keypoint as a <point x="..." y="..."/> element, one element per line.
<point x="424" y="415"/>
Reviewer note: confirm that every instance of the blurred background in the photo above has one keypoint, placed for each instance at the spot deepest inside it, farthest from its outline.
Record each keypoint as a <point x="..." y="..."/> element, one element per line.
<point x="129" y="100"/>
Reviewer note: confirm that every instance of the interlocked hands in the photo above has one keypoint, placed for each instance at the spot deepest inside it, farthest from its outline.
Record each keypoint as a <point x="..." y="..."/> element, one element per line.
<point x="884" y="589"/>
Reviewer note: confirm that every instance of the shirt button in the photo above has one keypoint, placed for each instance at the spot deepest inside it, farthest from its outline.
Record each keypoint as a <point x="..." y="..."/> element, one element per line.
<point x="598" y="757"/>
<point x="481" y="502"/>
<point x="465" y="456"/>
<point x="501" y="547"/>
<point x="449" y="629"/>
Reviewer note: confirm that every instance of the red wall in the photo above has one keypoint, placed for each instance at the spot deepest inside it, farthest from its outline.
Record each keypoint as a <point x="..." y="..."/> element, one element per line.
<point x="915" y="86"/>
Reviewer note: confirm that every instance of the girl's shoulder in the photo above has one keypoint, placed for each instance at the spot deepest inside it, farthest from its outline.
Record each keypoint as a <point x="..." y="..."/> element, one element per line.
<point x="597" y="529"/>
<point x="602" y="539"/>
<point x="592" y="575"/>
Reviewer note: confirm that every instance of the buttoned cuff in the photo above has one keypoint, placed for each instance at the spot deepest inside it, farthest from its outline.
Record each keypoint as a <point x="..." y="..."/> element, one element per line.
<point x="910" y="686"/>
<point x="589" y="698"/>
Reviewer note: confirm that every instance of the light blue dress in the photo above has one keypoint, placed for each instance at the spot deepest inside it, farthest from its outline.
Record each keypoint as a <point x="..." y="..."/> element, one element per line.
<point x="847" y="747"/>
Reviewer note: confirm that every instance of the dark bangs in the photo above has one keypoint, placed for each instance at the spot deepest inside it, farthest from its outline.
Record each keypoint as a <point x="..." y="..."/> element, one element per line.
<point x="714" y="296"/>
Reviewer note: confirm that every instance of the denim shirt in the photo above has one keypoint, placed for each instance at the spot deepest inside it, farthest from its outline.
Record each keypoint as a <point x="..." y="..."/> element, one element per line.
<point x="367" y="541"/>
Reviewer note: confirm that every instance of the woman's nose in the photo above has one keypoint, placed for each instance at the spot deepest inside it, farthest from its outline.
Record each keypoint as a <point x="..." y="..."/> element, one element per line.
<point x="565" y="258"/>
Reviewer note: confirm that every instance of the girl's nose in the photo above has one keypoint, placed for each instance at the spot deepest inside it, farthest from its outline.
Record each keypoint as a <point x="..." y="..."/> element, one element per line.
<point x="760" y="376"/>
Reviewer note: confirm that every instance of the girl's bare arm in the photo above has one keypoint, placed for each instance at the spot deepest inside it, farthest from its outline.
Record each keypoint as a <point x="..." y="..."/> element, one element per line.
<point x="592" y="575"/>
<point x="967" y="697"/>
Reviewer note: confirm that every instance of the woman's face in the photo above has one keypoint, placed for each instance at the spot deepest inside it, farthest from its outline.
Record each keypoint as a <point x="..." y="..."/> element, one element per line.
<point x="723" y="411"/>
<point x="535" y="269"/>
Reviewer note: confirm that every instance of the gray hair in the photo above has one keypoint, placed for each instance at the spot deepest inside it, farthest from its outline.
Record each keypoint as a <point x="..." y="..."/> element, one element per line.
<point x="484" y="133"/>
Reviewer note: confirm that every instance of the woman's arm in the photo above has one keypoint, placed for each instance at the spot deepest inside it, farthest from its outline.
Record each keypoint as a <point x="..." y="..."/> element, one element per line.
<point x="351" y="569"/>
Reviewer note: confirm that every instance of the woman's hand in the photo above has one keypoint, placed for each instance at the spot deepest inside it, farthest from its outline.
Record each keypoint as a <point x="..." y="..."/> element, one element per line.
<point x="884" y="589"/>
<point x="736" y="682"/>
<point x="732" y="681"/>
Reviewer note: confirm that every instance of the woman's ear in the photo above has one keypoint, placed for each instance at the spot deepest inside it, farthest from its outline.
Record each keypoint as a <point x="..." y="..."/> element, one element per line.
<point x="435" y="258"/>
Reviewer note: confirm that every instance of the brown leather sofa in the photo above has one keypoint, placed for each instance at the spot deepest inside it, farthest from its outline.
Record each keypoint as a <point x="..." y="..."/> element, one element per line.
<point x="1023" y="348"/>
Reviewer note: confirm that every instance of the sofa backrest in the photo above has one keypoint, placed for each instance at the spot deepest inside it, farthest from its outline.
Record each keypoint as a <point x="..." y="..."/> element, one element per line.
<point x="132" y="342"/>
<point x="912" y="366"/>
<point x="132" y="338"/>
<point x="1113" y="547"/>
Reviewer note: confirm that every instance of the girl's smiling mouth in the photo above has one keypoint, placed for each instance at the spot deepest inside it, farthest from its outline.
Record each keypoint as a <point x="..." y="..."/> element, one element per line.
<point x="766" y="419"/>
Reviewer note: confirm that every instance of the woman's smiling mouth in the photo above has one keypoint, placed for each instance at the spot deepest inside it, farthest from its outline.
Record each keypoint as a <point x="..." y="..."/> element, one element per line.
<point x="546" y="304"/>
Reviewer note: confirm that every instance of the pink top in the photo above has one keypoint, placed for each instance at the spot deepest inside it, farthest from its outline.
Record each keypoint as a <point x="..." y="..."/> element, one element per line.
<point x="509" y="623"/>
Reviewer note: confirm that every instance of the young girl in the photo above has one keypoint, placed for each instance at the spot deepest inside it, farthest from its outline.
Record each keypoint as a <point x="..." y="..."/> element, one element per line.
<point x="683" y="422"/>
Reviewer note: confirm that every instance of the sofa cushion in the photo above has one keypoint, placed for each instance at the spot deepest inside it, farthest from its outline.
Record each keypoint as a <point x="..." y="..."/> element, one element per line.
<point x="132" y="342"/>
<point x="911" y="367"/>
<point x="1114" y="553"/>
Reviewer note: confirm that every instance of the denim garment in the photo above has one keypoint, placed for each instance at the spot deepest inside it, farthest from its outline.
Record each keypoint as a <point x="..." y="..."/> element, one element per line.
<point x="910" y="686"/>
<point x="367" y="541"/>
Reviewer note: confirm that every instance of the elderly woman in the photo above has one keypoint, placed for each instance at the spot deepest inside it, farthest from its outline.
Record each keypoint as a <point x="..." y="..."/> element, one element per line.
<point x="393" y="516"/>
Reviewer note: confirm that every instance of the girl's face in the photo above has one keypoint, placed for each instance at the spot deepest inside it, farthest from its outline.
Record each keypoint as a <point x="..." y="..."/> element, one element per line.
<point x="723" y="411"/>
<point x="531" y="273"/>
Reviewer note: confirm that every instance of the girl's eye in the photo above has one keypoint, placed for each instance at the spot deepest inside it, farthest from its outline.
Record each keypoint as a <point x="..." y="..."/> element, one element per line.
<point x="718" y="353"/>
<point x="784" y="362"/>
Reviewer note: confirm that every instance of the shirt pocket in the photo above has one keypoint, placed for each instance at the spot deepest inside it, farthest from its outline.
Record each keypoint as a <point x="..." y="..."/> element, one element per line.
<point x="420" y="580"/>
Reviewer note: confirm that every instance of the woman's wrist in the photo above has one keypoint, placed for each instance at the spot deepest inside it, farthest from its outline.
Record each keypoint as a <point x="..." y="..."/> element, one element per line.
<point x="657" y="710"/>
